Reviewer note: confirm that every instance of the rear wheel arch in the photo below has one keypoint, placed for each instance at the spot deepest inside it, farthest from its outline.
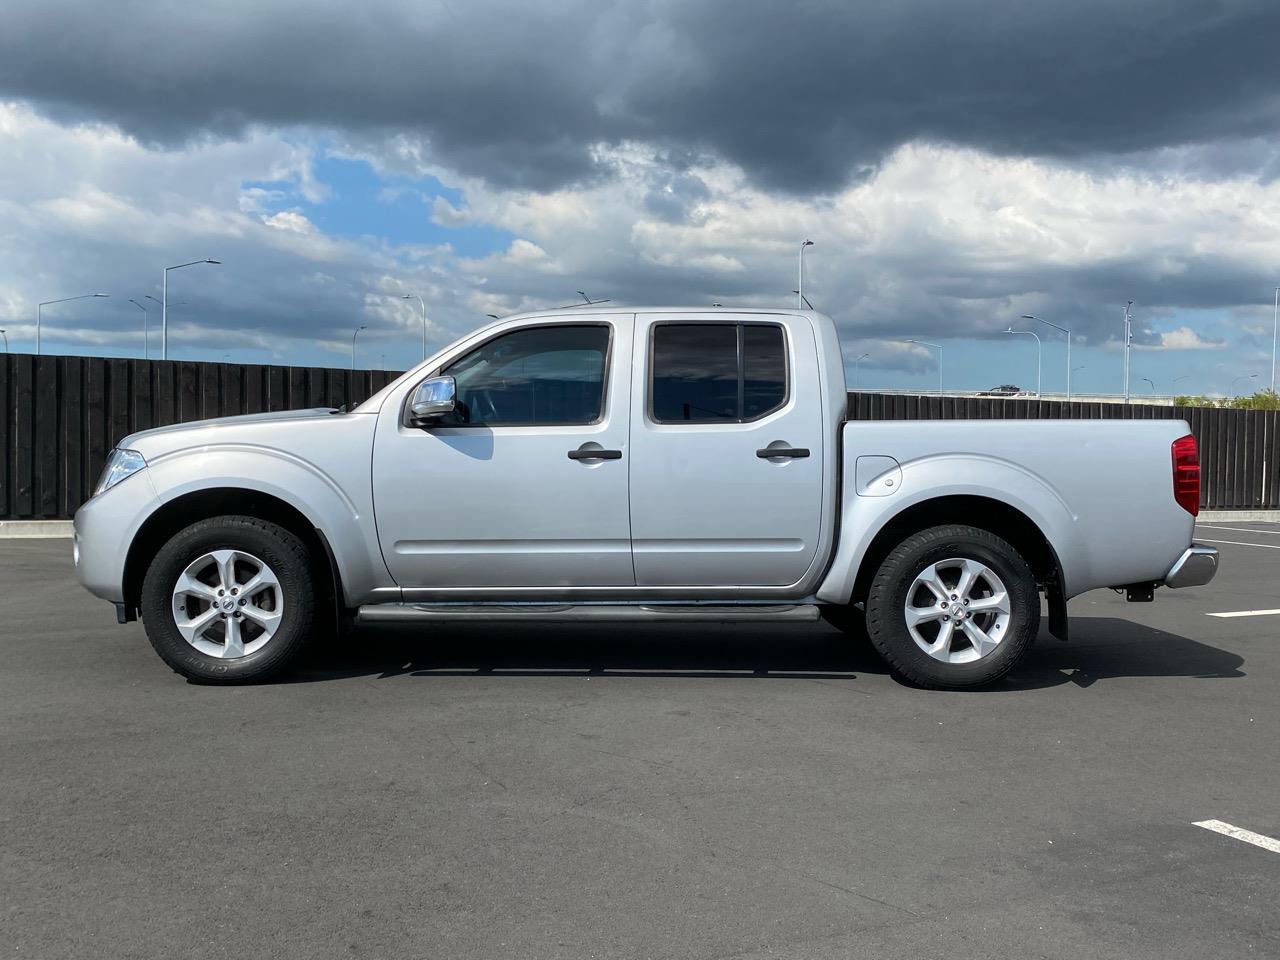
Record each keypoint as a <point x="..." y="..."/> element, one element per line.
<point x="183" y="511"/>
<point x="986" y="513"/>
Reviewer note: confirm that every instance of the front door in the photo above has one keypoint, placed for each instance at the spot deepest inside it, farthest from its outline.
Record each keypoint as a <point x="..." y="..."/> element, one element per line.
<point x="526" y="483"/>
<point x="726" y="450"/>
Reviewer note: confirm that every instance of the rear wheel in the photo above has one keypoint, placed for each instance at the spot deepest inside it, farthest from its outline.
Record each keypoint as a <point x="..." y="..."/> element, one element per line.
<point x="953" y="607"/>
<point x="229" y="600"/>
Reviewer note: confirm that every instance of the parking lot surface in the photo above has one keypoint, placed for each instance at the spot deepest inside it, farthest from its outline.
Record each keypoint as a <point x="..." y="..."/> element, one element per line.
<point x="667" y="791"/>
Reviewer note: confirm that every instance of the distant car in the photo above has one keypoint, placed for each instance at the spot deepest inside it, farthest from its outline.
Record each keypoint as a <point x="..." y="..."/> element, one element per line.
<point x="635" y="465"/>
<point x="1004" y="390"/>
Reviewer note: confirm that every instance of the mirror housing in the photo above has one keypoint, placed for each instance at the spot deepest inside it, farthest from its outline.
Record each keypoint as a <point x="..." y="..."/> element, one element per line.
<point x="432" y="399"/>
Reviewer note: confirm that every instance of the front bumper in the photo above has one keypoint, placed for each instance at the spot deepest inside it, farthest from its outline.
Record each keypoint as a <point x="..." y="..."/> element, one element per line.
<point x="105" y="526"/>
<point x="1196" y="567"/>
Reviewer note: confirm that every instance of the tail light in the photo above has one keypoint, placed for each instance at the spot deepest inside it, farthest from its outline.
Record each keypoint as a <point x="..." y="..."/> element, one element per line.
<point x="1186" y="474"/>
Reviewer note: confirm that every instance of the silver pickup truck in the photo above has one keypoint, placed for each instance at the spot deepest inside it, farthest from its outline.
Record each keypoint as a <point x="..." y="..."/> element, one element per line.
<point x="634" y="465"/>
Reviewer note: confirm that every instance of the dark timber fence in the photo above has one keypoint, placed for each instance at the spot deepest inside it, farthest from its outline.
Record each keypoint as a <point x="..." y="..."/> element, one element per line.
<point x="1239" y="449"/>
<point x="63" y="415"/>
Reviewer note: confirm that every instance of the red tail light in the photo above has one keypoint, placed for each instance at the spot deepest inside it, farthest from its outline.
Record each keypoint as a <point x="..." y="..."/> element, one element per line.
<point x="1186" y="474"/>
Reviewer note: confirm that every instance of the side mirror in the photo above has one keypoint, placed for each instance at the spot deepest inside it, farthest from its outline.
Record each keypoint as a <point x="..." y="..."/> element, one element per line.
<point x="433" y="398"/>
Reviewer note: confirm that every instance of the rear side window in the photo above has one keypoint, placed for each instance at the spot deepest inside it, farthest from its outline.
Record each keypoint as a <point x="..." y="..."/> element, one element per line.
<point x="716" y="372"/>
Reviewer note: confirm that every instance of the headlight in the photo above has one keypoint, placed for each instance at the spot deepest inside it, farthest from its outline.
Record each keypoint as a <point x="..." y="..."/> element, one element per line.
<point x="121" y="464"/>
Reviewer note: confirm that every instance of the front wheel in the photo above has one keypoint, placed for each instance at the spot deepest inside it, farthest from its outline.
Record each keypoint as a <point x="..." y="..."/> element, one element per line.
<point x="229" y="600"/>
<point x="953" y="607"/>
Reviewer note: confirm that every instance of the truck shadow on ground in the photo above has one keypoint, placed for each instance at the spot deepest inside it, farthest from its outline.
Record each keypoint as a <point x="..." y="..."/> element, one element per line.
<point x="1100" y="649"/>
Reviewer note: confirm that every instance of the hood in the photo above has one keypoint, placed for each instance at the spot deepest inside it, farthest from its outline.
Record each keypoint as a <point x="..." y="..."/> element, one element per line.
<point x="161" y="439"/>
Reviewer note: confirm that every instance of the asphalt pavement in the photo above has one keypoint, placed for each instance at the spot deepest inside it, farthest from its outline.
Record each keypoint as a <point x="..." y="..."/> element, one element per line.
<point x="667" y="791"/>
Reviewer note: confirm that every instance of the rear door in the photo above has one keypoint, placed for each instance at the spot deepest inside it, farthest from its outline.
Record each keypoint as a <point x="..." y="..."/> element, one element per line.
<point x="726" y="450"/>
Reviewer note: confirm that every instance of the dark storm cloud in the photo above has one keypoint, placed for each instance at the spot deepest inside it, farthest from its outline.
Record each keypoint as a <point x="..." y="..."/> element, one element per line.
<point x="802" y="95"/>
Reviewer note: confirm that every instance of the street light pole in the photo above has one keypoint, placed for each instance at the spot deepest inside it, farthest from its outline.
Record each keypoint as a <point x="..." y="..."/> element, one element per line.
<point x="353" y="345"/>
<point x="1248" y="376"/>
<point x="164" y="304"/>
<point x="6" y="340"/>
<point x="1039" y="354"/>
<point x="1275" y="325"/>
<point x="1153" y="385"/>
<point x="414" y="296"/>
<point x="40" y="311"/>
<point x="146" y="332"/>
<point x="1068" y="333"/>
<point x="858" y="360"/>
<point x="160" y="303"/>
<point x="800" y="284"/>
<point x="1128" y="338"/>
<point x="938" y="347"/>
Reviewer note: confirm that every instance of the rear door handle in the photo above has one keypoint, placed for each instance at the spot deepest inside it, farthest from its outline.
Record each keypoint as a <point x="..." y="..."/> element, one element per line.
<point x="586" y="453"/>
<point x="768" y="453"/>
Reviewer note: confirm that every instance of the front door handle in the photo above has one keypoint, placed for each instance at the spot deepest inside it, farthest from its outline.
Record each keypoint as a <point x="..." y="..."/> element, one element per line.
<point x="594" y="453"/>
<point x="768" y="453"/>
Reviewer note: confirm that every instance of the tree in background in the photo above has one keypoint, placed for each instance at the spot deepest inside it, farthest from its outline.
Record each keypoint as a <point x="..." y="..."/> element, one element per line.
<point x="1262" y="400"/>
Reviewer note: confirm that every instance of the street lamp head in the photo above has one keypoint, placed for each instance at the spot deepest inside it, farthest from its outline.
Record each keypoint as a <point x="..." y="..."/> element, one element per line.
<point x="102" y="294"/>
<point x="1027" y="316"/>
<point x="219" y="262"/>
<point x="407" y="296"/>
<point x="807" y="243"/>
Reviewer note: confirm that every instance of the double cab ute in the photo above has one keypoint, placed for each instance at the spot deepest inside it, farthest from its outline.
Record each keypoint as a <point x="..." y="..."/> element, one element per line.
<point x="635" y="464"/>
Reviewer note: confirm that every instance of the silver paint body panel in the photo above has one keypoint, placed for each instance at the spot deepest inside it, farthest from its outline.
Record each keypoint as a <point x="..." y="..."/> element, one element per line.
<point x="687" y="513"/>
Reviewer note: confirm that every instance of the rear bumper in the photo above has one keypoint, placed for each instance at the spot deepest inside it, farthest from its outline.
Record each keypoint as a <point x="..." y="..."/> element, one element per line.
<point x="1194" y="568"/>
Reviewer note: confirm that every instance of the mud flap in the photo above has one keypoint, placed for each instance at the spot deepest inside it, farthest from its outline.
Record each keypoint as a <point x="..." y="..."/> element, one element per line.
<point x="1057" y="608"/>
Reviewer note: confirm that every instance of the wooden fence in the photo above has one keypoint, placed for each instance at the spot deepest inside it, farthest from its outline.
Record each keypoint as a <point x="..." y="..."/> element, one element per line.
<point x="63" y="415"/>
<point x="1239" y="449"/>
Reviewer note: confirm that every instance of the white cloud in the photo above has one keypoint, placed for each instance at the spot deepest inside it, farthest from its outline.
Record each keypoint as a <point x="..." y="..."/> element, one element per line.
<point x="939" y="242"/>
<point x="447" y="215"/>
<point x="290" y="220"/>
<point x="1184" y="338"/>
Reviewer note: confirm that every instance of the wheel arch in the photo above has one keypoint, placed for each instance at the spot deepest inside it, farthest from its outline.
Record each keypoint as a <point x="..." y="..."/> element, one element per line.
<point x="986" y="513"/>
<point x="188" y="508"/>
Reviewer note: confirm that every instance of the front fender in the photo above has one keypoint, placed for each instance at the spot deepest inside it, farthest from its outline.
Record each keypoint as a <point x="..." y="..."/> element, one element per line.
<point x="946" y="475"/>
<point x="339" y="507"/>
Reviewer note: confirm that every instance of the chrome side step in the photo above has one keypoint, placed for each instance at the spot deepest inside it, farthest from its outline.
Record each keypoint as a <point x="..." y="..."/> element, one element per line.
<point x="571" y="613"/>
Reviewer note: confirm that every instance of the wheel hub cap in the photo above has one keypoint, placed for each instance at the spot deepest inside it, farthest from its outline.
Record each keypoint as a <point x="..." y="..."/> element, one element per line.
<point x="958" y="610"/>
<point x="227" y="604"/>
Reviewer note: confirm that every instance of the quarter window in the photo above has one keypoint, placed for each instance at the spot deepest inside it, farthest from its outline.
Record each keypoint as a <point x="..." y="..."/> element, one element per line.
<point x="717" y="372"/>
<point x="538" y="376"/>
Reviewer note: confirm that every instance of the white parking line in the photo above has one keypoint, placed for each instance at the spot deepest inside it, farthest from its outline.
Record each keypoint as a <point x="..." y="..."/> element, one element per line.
<point x="1268" y="533"/>
<point x="1244" y="543"/>
<point x="1248" y="836"/>
<point x="1245" y="613"/>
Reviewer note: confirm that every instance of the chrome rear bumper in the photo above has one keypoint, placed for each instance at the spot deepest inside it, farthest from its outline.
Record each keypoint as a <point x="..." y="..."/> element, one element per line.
<point x="1194" y="568"/>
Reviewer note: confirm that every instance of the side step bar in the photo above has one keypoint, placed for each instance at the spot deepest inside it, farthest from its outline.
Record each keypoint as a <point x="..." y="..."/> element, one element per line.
<point x="574" y="613"/>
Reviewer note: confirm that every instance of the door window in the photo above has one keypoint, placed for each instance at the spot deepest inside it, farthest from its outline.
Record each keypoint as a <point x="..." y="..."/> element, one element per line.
<point x="717" y="372"/>
<point x="537" y="376"/>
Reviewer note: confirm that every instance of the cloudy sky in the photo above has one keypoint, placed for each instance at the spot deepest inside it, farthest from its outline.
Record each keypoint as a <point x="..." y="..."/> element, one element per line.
<point x="958" y="164"/>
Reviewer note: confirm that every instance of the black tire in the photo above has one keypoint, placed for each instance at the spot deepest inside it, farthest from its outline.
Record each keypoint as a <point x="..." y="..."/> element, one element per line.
<point x="284" y="553"/>
<point x="887" y="598"/>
